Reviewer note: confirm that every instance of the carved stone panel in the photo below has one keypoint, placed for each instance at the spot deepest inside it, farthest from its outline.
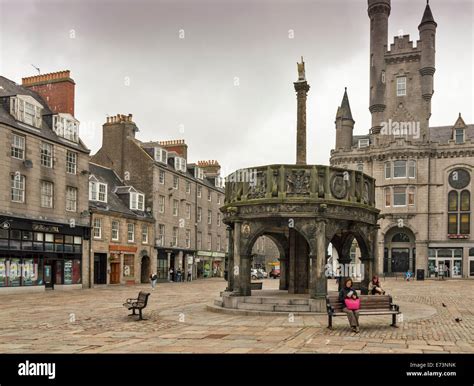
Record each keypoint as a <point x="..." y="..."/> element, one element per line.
<point x="298" y="182"/>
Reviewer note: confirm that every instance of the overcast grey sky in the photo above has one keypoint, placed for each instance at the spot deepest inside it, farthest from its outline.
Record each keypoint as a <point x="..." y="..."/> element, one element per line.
<point x="227" y="87"/>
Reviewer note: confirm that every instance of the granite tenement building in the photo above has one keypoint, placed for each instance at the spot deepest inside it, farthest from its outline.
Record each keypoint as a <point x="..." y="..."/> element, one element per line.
<point x="44" y="166"/>
<point x="423" y="173"/>
<point x="183" y="198"/>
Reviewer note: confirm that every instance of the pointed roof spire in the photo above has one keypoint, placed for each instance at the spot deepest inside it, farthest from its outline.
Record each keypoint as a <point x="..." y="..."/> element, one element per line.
<point x="427" y="16"/>
<point x="344" y="111"/>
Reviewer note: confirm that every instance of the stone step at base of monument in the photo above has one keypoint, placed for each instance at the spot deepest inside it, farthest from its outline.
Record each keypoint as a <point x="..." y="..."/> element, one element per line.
<point x="276" y="301"/>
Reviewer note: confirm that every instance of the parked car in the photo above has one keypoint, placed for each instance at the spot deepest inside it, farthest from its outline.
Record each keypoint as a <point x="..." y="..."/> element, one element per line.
<point x="255" y="274"/>
<point x="274" y="273"/>
<point x="264" y="274"/>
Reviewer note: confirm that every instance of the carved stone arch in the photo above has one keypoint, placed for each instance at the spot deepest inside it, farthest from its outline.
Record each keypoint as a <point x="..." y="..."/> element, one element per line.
<point x="255" y="229"/>
<point x="387" y="228"/>
<point x="308" y="228"/>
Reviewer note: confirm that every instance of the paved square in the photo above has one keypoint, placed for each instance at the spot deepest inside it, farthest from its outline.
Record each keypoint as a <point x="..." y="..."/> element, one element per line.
<point x="94" y="321"/>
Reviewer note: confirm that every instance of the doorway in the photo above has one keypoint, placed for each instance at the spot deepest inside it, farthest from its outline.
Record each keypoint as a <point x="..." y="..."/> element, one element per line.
<point x="400" y="259"/>
<point x="114" y="273"/>
<point x="100" y="268"/>
<point x="145" y="270"/>
<point x="48" y="275"/>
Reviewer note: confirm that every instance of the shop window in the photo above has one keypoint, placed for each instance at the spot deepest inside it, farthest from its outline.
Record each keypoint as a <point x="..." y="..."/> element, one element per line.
<point x="128" y="265"/>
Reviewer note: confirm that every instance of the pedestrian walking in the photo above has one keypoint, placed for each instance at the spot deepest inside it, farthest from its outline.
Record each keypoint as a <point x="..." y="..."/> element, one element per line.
<point x="190" y="274"/>
<point x="153" y="280"/>
<point x="178" y="275"/>
<point x="171" y="274"/>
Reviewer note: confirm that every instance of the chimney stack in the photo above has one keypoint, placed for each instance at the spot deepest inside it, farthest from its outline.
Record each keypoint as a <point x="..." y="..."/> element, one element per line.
<point x="56" y="88"/>
<point x="177" y="145"/>
<point x="211" y="168"/>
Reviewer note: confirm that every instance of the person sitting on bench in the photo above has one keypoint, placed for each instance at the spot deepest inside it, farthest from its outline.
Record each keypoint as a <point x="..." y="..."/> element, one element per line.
<point x="375" y="287"/>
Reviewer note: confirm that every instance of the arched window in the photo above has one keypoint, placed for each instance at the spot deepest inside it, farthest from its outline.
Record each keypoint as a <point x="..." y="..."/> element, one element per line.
<point x="400" y="238"/>
<point x="459" y="212"/>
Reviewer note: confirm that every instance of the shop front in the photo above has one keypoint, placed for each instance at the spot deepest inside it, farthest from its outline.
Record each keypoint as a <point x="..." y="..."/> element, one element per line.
<point x="123" y="264"/>
<point x="449" y="261"/>
<point x="209" y="264"/>
<point x="40" y="255"/>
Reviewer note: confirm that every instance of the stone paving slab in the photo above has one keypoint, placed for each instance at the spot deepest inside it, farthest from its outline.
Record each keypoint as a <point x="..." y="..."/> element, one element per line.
<point x="178" y="322"/>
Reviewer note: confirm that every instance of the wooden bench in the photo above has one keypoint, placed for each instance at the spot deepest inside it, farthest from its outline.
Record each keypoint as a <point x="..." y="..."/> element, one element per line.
<point x="137" y="304"/>
<point x="256" y="285"/>
<point x="369" y="305"/>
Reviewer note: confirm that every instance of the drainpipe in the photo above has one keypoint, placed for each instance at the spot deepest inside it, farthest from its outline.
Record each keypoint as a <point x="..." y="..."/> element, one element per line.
<point x="91" y="257"/>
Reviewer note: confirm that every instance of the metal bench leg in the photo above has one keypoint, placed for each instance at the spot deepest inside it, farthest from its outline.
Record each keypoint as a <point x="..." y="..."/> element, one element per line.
<point x="140" y="316"/>
<point x="133" y="312"/>
<point x="330" y="322"/>
<point x="394" y="320"/>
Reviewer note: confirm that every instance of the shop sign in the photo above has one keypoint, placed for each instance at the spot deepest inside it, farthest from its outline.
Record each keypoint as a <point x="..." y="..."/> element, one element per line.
<point x="218" y="254"/>
<point x="45" y="228"/>
<point x="204" y="253"/>
<point x="122" y="248"/>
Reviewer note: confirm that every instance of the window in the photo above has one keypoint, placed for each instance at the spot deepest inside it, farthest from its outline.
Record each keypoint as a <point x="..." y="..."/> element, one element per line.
<point x="115" y="230"/>
<point x="131" y="233"/>
<point x="399" y="196"/>
<point x="388" y="197"/>
<point x="46" y="150"/>
<point x="188" y="187"/>
<point x="218" y="242"/>
<point x="198" y="173"/>
<point x="209" y="195"/>
<point x="71" y="199"/>
<point x="199" y="241"/>
<point x="219" y="182"/>
<point x="65" y="126"/>
<point x="411" y="169"/>
<point x="219" y="199"/>
<point x="411" y="196"/>
<point x="175" y="207"/>
<point x="199" y="214"/>
<point x="401" y="86"/>
<point x="219" y="219"/>
<point x="97" y="191"/>
<point x="46" y="194"/>
<point x="128" y="265"/>
<point x="97" y="228"/>
<point x="209" y="242"/>
<point x="71" y="162"/>
<point x="174" y="240"/>
<point x="388" y="170"/>
<point x="26" y="109"/>
<point x="162" y="177"/>
<point x="199" y="191"/>
<point x="137" y="201"/>
<point x="188" y="211"/>
<point x="161" y="204"/>
<point x="175" y="182"/>
<point x="180" y="164"/>
<point x="144" y="234"/>
<point x="459" y="212"/>
<point x="17" y="188"/>
<point x="209" y="217"/>
<point x="459" y="135"/>
<point x="18" y="146"/>
<point x="364" y="143"/>
<point x="161" y="235"/>
<point x="399" y="169"/>
<point x="188" y="238"/>
<point x="161" y="155"/>
<point x="360" y="167"/>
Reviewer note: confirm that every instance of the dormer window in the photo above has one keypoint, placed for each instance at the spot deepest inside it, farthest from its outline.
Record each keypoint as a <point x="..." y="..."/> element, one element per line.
<point x="219" y="182"/>
<point x="66" y="126"/>
<point x="364" y="143"/>
<point x="401" y="86"/>
<point x="198" y="173"/>
<point x="97" y="191"/>
<point x="26" y="109"/>
<point x="161" y="155"/>
<point x="137" y="201"/>
<point x="459" y="136"/>
<point x="180" y="164"/>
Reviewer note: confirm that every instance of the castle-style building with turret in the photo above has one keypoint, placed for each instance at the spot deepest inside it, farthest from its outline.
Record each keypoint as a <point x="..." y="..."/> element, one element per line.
<point x="423" y="174"/>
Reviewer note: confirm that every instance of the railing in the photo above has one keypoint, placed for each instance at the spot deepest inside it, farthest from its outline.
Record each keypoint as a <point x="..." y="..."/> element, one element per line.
<point x="299" y="182"/>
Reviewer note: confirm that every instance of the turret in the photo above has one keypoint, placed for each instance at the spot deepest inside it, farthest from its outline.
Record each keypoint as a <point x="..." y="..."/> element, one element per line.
<point x="379" y="12"/>
<point x="427" y="30"/>
<point x="344" y="124"/>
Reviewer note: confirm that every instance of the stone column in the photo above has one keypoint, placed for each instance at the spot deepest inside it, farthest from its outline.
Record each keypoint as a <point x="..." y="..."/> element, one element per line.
<point x="283" y="273"/>
<point x="237" y="259"/>
<point x="169" y="262"/>
<point x="292" y="260"/>
<point x="245" y="265"/>
<point x="301" y="88"/>
<point x="230" y="260"/>
<point x="318" y="280"/>
<point x="375" y="251"/>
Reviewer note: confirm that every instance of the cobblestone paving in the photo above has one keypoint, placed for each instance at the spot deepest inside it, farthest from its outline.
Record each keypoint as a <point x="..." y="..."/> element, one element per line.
<point x="94" y="321"/>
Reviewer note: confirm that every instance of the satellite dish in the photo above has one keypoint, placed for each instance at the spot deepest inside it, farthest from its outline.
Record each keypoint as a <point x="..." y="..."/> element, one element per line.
<point x="28" y="163"/>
